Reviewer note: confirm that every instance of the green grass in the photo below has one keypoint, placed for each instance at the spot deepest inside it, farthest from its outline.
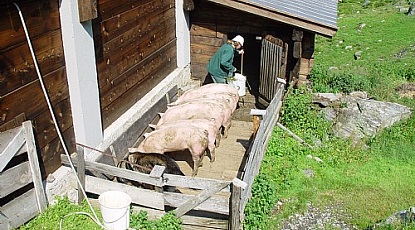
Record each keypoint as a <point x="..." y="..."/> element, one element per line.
<point x="371" y="184"/>
<point x="70" y="216"/>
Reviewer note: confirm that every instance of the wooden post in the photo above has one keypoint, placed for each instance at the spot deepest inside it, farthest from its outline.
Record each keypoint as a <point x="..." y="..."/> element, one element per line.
<point x="34" y="166"/>
<point x="81" y="172"/>
<point x="157" y="172"/>
<point x="234" y="215"/>
<point x="235" y="204"/>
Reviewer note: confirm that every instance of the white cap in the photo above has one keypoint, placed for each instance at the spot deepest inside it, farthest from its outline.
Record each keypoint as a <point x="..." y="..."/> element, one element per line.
<point x="239" y="38"/>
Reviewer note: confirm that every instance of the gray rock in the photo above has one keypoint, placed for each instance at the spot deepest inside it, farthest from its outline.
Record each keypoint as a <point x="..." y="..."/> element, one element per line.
<point x="364" y="117"/>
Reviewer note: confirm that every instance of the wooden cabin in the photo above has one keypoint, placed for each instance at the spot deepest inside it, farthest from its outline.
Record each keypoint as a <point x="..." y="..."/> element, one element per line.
<point x="85" y="72"/>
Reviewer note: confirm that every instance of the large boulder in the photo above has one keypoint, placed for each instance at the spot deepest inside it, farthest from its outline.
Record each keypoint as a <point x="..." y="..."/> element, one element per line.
<point x="357" y="116"/>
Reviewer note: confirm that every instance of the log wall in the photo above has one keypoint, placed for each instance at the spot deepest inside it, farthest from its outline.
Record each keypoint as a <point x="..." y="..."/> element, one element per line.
<point x="21" y="96"/>
<point x="135" y="45"/>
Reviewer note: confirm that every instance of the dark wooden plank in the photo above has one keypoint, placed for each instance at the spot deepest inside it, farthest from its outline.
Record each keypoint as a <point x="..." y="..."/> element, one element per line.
<point x="17" y="67"/>
<point x="51" y="152"/>
<point x="13" y="123"/>
<point x="133" y="85"/>
<point x="204" y="29"/>
<point x="57" y="87"/>
<point x="120" y="61"/>
<point x="137" y="18"/>
<point x="87" y="10"/>
<point x="40" y="18"/>
<point x="45" y="129"/>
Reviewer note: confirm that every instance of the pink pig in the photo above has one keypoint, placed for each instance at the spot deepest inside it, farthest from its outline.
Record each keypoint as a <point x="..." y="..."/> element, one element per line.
<point x="176" y="138"/>
<point x="207" y="124"/>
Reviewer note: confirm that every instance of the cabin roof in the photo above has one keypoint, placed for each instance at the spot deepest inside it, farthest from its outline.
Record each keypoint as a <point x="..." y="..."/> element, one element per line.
<point x="318" y="16"/>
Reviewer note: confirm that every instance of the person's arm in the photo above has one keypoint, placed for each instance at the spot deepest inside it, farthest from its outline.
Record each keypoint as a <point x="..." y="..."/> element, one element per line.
<point x="226" y="61"/>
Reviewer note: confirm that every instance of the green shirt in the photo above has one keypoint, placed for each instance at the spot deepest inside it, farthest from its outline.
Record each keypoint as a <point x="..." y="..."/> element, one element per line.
<point x="220" y="65"/>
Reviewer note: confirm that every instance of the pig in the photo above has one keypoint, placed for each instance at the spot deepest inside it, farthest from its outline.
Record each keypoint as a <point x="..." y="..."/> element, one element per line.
<point x="145" y="162"/>
<point x="226" y="110"/>
<point x="208" y="124"/>
<point x="176" y="138"/>
<point x="207" y="89"/>
<point x="193" y="110"/>
<point x="230" y="98"/>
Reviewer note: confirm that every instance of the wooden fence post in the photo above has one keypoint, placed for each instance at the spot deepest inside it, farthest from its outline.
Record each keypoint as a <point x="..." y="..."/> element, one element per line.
<point x="80" y="172"/>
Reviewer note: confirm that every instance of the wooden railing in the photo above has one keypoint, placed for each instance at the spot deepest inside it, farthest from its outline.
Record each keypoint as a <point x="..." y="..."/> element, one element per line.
<point x="256" y="151"/>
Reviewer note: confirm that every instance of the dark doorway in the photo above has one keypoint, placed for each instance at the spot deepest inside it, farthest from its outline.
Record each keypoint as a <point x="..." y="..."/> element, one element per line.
<point x="251" y="61"/>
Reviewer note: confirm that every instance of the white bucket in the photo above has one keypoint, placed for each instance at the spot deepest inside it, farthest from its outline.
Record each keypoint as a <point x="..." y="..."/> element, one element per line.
<point x="239" y="83"/>
<point x="115" y="209"/>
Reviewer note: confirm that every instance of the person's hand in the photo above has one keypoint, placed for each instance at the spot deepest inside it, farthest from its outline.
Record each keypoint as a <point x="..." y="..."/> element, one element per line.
<point x="241" y="52"/>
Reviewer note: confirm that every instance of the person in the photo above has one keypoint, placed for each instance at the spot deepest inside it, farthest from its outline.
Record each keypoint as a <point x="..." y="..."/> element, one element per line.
<point x="220" y="66"/>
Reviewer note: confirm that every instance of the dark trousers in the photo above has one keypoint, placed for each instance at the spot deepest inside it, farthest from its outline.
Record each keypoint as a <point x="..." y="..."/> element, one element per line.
<point x="208" y="79"/>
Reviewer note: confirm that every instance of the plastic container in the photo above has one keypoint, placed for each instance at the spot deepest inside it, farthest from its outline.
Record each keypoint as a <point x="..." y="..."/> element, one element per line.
<point x="239" y="82"/>
<point x="115" y="209"/>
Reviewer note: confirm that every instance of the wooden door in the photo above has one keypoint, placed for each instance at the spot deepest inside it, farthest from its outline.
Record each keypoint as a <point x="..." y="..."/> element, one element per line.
<point x="272" y="67"/>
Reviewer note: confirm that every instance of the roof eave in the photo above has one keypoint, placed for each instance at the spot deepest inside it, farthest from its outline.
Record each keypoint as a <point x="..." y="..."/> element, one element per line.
<point x="318" y="28"/>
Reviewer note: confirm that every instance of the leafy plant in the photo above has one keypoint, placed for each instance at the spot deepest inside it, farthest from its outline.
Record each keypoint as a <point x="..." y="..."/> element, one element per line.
<point x="72" y="216"/>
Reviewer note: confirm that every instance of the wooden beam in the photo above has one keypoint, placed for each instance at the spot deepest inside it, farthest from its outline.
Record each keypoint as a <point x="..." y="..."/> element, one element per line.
<point x="144" y="197"/>
<point x="199" y="198"/>
<point x="34" y="166"/>
<point x="87" y="10"/>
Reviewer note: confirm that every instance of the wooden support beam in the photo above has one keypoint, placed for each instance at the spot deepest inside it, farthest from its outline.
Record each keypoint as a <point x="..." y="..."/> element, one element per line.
<point x="87" y="10"/>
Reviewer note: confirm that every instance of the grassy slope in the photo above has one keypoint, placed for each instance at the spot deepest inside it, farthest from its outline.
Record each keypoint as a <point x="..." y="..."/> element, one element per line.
<point x="371" y="184"/>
